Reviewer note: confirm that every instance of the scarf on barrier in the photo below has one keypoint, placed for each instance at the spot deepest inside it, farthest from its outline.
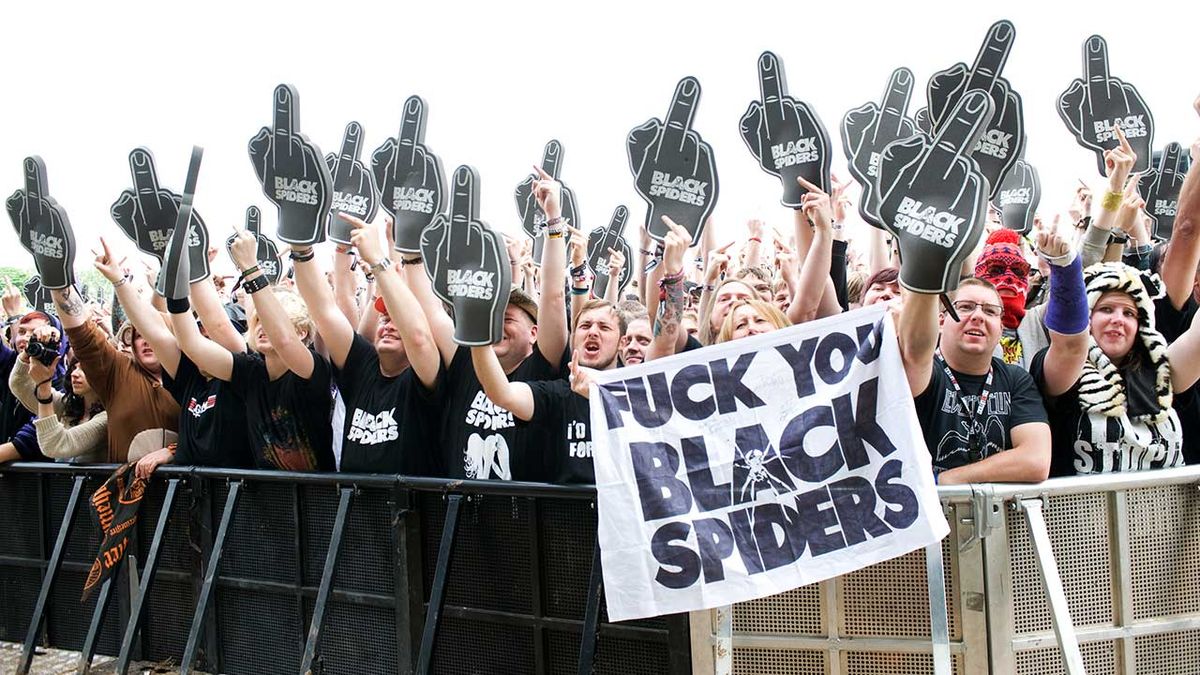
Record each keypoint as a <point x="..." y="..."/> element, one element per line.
<point x="114" y="508"/>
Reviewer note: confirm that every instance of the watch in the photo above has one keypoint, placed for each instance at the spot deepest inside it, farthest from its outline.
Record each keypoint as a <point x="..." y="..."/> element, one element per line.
<point x="378" y="267"/>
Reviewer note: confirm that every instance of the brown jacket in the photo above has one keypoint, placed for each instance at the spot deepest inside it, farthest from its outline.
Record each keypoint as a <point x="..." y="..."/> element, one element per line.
<point x="134" y="400"/>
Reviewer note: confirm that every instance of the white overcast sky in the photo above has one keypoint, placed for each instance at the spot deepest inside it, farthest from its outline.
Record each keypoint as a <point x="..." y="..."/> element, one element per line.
<point x="90" y="81"/>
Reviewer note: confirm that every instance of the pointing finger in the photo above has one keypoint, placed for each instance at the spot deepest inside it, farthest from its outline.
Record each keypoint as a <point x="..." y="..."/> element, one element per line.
<point x="412" y="126"/>
<point x="812" y="189"/>
<point x="1095" y="67"/>
<point x="682" y="110"/>
<point x="989" y="62"/>
<point x="894" y="104"/>
<point x="351" y="141"/>
<point x="961" y="130"/>
<point x="145" y="178"/>
<point x="253" y="220"/>
<point x="552" y="158"/>
<point x="771" y="84"/>
<point x="287" y="112"/>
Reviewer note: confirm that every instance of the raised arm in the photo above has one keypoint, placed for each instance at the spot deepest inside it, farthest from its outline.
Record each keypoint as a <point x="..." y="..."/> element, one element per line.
<point x="670" y="310"/>
<point x="287" y="345"/>
<point x="440" y="322"/>
<point x="208" y="356"/>
<point x="918" y="335"/>
<point x="1118" y="162"/>
<point x="1066" y="315"/>
<point x="329" y="318"/>
<point x="814" y="272"/>
<point x="141" y="313"/>
<point x="552" y="303"/>
<point x="1184" y="355"/>
<point x="581" y="285"/>
<point x="344" y="285"/>
<point x="515" y="397"/>
<point x="616" y="265"/>
<point x="72" y="310"/>
<point x="402" y="305"/>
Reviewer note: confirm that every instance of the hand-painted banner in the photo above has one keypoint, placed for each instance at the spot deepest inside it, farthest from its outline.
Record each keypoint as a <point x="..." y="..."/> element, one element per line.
<point x="760" y="465"/>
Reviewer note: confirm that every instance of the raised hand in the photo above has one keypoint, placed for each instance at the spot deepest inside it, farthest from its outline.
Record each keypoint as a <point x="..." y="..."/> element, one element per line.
<point x="107" y="264"/>
<point x="1096" y="105"/>
<point x="410" y="178"/>
<point x="673" y="167"/>
<point x="1003" y="141"/>
<point x="42" y="227"/>
<point x="1018" y="197"/>
<point x="267" y="252"/>
<point x="934" y="197"/>
<point x="147" y="214"/>
<point x="870" y="128"/>
<point x="365" y="237"/>
<point x="529" y="207"/>
<point x="175" y="276"/>
<point x="784" y="134"/>
<point x="467" y="264"/>
<point x="1161" y="188"/>
<point x="601" y="244"/>
<point x="294" y="177"/>
<point x="354" y="191"/>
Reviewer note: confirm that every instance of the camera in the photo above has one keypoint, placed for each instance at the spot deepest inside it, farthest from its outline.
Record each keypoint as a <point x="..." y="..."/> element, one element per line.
<point x="42" y="350"/>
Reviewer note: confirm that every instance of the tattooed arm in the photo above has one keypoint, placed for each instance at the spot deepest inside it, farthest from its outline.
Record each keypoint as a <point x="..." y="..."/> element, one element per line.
<point x="72" y="310"/>
<point x="670" y="307"/>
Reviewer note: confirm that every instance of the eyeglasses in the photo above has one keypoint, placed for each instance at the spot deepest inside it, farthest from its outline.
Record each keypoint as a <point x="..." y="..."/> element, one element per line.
<point x="966" y="307"/>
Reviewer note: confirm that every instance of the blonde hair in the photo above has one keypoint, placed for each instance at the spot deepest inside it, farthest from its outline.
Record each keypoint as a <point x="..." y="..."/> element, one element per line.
<point x="765" y="310"/>
<point x="297" y="312"/>
<point x="706" y="333"/>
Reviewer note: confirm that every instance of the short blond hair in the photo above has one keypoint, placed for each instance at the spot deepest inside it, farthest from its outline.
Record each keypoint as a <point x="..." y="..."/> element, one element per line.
<point x="766" y="310"/>
<point x="297" y="312"/>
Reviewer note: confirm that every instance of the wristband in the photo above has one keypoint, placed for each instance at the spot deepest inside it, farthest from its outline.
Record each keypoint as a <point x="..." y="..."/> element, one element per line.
<point x="122" y="281"/>
<point x="1111" y="201"/>
<point x="554" y="221"/>
<point x="579" y="271"/>
<point x="412" y="261"/>
<point x="554" y="232"/>
<point x="380" y="266"/>
<point x="755" y="239"/>
<point x="255" y="285"/>
<point x="1067" y="308"/>
<point x="303" y="255"/>
<point x="580" y="291"/>
<point x="249" y="270"/>
<point x="180" y="306"/>
<point x="1115" y="238"/>
<point x="671" y="279"/>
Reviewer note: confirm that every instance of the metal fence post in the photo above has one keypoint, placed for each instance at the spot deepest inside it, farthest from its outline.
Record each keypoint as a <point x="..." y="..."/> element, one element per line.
<point x="52" y="568"/>
<point x="939" y="619"/>
<point x="1060" y="613"/>
<point x="193" y="643"/>
<point x="437" y="594"/>
<point x="591" y="616"/>
<point x="138" y="604"/>
<point x="331" y="556"/>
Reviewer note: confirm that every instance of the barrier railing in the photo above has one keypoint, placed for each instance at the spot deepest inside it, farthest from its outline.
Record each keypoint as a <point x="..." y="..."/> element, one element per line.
<point x="1097" y="574"/>
<point x="264" y="572"/>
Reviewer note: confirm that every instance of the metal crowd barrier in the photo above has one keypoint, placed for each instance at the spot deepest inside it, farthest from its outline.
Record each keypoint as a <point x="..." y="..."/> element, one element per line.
<point x="1097" y="574"/>
<point x="269" y="572"/>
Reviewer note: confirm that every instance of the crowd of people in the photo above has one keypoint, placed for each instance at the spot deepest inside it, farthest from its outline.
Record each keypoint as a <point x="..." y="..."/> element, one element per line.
<point x="1072" y="350"/>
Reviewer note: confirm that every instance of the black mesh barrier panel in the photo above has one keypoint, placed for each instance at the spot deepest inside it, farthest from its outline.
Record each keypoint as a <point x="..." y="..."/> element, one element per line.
<point x="516" y="588"/>
<point x="260" y="632"/>
<point x="469" y="647"/>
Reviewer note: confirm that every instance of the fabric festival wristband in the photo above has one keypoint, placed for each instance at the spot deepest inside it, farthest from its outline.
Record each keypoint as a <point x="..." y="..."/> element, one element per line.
<point x="180" y="306"/>
<point x="412" y="261"/>
<point x="1111" y="201"/>
<point x="303" y="255"/>
<point x="250" y="270"/>
<point x="580" y="291"/>
<point x="255" y="285"/>
<point x="1067" y="308"/>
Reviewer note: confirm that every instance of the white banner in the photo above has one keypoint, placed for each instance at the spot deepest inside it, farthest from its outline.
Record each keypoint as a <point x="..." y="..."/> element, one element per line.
<point x="757" y="466"/>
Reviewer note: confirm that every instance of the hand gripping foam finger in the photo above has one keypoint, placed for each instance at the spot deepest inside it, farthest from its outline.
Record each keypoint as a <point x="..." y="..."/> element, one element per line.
<point x="870" y="128"/>
<point x="789" y="142"/>
<point x="409" y="178"/>
<point x="42" y="227"/>
<point x="293" y="173"/>
<point x="148" y="212"/>
<point x="934" y="198"/>
<point x="1095" y="105"/>
<point x="354" y="190"/>
<point x="473" y="269"/>
<point x="674" y="170"/>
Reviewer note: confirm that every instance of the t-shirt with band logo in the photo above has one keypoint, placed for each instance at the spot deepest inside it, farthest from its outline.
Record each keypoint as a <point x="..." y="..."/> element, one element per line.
<point x="212" y="420"/>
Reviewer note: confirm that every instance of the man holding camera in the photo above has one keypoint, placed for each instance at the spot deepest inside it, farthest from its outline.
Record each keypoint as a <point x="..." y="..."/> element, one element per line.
<point x="16" y="421"/>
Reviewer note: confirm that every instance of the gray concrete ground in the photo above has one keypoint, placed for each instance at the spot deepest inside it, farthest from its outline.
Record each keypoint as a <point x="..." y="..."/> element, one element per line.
<point x="62" y="662"/>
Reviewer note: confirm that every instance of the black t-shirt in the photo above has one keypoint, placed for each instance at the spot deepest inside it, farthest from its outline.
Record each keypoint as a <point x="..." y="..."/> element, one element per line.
<point x="212" y="419"/>
<point x="567" y="414"/>
<point x="288" y="418"/>
<point x="1086" y="443"/>
<point x="391" y="422"/>
<point x="1013" y="400"/>
<point x="482" y="440"/>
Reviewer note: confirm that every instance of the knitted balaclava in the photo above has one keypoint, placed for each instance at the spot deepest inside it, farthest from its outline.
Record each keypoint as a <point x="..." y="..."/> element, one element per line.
<point x="1003" y="264"/>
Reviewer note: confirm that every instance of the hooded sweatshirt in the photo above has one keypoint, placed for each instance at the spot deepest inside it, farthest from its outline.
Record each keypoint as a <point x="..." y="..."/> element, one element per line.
<point x="134" y="399"/>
